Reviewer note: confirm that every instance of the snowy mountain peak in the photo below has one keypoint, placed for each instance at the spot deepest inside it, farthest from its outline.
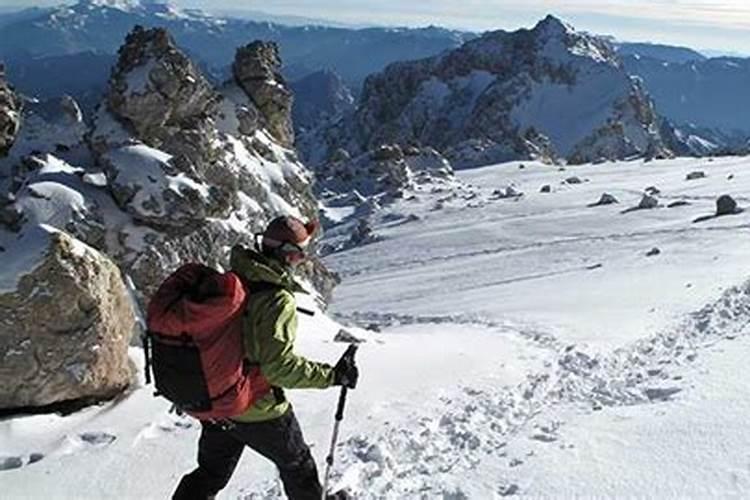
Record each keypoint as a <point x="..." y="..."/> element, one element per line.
<point x="158" y="8"/>
<point x="559" y="40"/>
<point x="553" y="26"/>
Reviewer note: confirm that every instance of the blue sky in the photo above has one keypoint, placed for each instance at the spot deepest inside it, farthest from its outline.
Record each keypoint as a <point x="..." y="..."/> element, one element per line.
<point x="704" y="24"/>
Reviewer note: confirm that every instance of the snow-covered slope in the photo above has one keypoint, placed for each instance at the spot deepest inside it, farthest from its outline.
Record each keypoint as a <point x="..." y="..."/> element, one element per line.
<point x="515" y="345"/>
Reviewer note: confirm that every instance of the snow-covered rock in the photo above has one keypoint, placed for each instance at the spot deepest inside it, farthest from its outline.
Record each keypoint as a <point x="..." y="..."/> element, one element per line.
<point x="144" y="183"/>
<point x="508" y="192"/>
<point x="9" y="114"/>
<point x="50" y="126"/>
<point x="53" y="193"/>
<point x="67" y="321"/>
<point x="541" y="93"/>
<point x="388" y="169"/>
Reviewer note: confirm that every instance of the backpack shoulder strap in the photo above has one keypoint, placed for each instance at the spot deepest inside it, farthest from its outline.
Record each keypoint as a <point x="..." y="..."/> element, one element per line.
<point x="261" y="286"/>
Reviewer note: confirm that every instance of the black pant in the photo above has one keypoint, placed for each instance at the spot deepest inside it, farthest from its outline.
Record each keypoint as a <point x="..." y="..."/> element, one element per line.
<point x="279" y="440"/>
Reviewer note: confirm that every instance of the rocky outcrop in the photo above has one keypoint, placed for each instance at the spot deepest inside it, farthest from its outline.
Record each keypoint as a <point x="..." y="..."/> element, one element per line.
<point x="10" y="115"/>
<point x="156" y="139"/>
<point x="256" y="69"/>
<point x="66" y="324"/>
<point x="155" y="90"/>
<point x="170" y="170"/>
<point x="629" y="132"/>
<point x="509" y="96"/>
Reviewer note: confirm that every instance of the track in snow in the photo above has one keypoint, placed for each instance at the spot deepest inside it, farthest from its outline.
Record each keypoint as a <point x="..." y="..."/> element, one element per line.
<point x="422" y="458"/>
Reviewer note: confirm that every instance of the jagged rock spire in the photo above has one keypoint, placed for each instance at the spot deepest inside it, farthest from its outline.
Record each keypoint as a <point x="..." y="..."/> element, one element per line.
<point x="256" y="69"/>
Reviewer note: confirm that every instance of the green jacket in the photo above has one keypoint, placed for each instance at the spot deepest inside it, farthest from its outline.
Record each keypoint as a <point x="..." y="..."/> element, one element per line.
<point x="270" y="328"/>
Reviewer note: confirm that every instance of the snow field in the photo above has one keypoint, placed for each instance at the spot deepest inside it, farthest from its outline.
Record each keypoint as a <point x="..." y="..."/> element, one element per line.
<point x="524" y="346"/>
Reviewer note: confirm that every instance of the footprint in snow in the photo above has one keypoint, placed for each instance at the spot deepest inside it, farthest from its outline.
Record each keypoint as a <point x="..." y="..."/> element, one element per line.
<point x="10" y="463"/>
<point x="544" y="438"/>
<point x="97" y="439"/>
<point x="506" y="490"/>
<point x="86" y="441"/>
<point x="16" y="462"/>
<point x="166" y="424"/>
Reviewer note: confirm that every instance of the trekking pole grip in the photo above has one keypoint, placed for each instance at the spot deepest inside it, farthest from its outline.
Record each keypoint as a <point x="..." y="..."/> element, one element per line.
<point x="349" y="354"/>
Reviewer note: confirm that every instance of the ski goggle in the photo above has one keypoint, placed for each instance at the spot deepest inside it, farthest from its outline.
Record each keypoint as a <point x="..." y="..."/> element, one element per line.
<point x="289" y="247"/>
<point x="285" y="247"/>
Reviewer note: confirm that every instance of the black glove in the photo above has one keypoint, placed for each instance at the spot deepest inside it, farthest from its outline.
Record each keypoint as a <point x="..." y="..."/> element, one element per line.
<point x="345" y="373"/>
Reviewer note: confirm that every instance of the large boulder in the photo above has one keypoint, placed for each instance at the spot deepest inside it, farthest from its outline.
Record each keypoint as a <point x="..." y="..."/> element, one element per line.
<point x="67" y="322"/>
<point x="257" y="69"/>
<point x="10" y="115"/>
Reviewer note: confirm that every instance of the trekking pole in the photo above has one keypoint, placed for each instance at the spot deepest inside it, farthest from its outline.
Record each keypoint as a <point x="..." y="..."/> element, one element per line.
<point x="350" y="352"/>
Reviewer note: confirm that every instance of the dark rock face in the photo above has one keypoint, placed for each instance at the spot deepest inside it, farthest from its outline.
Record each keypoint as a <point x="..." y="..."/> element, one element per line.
<point x="10" y="114"/>
<point x="319" y="97"/>
<point x="256" y="69"/>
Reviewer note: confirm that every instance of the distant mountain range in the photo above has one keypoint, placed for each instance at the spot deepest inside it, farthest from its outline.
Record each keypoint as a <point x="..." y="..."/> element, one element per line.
<point x="703" y="97"/>
<point x="99" y="26"/>
<point x="711" y="93"/>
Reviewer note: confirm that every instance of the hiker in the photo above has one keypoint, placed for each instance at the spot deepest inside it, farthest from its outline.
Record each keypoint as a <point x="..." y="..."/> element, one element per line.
<point x="269" y="426"/>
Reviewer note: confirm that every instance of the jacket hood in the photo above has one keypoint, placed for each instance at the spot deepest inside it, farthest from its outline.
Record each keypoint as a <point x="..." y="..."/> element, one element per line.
<point x="253" y="266"/>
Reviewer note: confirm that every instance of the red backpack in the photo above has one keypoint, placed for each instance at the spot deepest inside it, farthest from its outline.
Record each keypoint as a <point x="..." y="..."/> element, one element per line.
<point x="194" y="344"/>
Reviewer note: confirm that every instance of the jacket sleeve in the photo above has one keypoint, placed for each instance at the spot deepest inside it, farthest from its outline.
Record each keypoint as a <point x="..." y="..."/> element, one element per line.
<point x="278" y="362"/>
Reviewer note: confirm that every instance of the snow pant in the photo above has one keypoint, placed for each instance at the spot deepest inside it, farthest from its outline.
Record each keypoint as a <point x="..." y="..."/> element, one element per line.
<point x="279" y="440"/>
